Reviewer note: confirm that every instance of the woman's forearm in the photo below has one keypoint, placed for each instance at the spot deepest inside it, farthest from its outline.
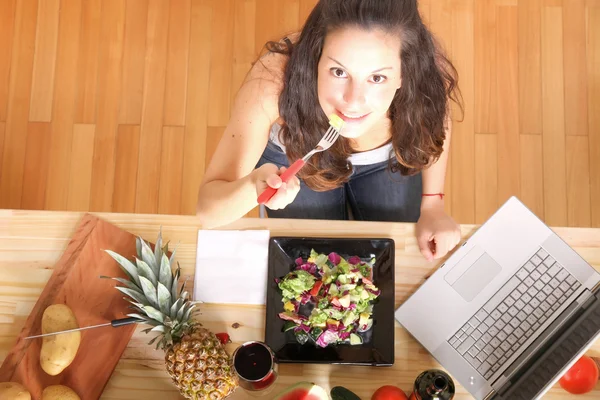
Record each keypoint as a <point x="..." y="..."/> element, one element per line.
<point x="221" y="202"/>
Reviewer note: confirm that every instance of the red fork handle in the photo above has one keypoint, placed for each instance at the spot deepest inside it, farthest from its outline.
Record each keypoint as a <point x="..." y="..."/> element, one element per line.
<point x="286" y="176"/>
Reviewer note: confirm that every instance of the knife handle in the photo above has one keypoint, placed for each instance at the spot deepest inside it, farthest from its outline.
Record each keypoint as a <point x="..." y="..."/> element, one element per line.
<point x="124" y="321"/>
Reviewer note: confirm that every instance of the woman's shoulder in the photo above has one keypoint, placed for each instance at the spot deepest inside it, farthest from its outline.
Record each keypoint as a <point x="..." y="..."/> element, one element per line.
<point x="270" y="66"/>
<point x="264" y="82"/>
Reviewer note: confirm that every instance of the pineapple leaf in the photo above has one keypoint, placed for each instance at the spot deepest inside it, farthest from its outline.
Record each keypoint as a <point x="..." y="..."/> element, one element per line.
<point x="148" y="257"/>
<point x="175" y="308"/>
<point x="147" y="330"/>
<point x="126" y="266"/>
<point x="134" y="294"/>
<point x="158" y="251"/>
<point x="137" y="307"/>
<point x="185" y="295"/>
<point x="159" y="328"/>
<point x="186" y="316"/>
<point x="165" y="275"/>
<point x="172" y="259"/>
<point x="164" y="298"/>
<point x="143" y="318"/>
<point x="146" y="271"/>
<point x="153" y="340"/>
<point x="149" y="291"/>
<point x="196" y="310"/>
<point x="125" y="282"/>
<point x="175" y="283"/>
<point x="182" y="312"/>
<point x="154" y="313"/>
<point x="138" y="246"/>
<point x="147" y="321"/>
<point x="181" y="290"/>
<point x="178" y="332"/>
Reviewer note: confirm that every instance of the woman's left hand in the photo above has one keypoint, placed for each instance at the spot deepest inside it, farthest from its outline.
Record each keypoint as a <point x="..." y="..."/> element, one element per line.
<point x="437" y="233"/>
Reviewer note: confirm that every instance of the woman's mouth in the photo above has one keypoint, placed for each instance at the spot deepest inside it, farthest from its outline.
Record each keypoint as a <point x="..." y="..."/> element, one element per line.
<point x="351" y="117"/>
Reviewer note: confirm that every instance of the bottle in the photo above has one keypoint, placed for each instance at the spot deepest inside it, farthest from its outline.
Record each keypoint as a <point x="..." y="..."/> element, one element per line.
<point x="433" y="384"/>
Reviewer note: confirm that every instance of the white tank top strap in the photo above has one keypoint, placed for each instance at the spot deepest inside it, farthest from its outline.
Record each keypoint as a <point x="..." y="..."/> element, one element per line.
<point x="380" y="154"/>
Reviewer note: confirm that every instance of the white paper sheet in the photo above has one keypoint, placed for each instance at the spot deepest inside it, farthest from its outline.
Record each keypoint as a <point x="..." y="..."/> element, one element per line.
<point x="231" y="266"/>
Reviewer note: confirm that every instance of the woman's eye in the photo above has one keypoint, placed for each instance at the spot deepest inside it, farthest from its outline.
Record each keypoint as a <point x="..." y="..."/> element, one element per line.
<point x="338" y="72"/>
<point x="378" y="78"/>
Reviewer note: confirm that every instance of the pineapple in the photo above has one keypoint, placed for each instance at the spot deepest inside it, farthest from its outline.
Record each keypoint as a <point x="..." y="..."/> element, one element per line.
<point x="195" y="359"/>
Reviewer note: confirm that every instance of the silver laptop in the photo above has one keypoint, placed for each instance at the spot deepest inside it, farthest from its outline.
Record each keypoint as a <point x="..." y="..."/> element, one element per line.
<point x="510" y="311"/>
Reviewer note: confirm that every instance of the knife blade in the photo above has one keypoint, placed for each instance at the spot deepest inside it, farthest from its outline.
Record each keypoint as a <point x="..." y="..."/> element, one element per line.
<point x="115" y="323"/>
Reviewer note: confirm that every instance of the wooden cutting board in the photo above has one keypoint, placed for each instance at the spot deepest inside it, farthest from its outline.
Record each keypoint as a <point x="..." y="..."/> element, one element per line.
<point x="76" y="282"/>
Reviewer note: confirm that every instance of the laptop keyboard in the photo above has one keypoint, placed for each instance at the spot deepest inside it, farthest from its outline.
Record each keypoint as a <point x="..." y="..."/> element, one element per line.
<point x="514" y="313"/>
<point x="553" y="358"/>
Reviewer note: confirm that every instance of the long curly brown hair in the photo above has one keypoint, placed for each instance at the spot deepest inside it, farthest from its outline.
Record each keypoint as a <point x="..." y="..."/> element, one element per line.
<point x="418" y="111"/>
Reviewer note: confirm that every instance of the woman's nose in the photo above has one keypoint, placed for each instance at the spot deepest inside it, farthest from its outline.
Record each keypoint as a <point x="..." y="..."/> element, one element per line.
<point x="354" y="94"/>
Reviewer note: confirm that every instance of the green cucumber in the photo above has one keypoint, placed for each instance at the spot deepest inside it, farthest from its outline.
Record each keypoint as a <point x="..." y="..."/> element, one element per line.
<point x="301" y="336"/>
<point x="315" y="333"/>
<point x="341" y="393"/>
<point x="355" y="339"/>
<point x="289" y="325"/>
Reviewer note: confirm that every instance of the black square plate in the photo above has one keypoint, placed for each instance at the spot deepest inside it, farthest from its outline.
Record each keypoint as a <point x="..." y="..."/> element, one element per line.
<point x="378" y="344"/>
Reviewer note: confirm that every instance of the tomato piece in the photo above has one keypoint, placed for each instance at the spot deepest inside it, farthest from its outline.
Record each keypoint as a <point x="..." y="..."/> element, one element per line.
<point x="582" y="377"/>
<point x="336" y="302"/>
<point x="223" y="337"/>
<point x="315" y="289"/>
<point x="389" y="392"/>
<point x="367" y="281"/>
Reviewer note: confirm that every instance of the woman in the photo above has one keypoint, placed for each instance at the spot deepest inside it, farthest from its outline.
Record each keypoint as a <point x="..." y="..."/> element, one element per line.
<point x="374" y="64"/>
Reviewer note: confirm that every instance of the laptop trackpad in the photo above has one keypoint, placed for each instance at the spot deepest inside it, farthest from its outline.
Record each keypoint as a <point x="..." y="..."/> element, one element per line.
<point x="477" y="277"/>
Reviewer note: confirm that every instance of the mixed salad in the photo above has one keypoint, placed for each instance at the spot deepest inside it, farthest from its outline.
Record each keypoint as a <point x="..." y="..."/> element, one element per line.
<point x="328" y="299"/>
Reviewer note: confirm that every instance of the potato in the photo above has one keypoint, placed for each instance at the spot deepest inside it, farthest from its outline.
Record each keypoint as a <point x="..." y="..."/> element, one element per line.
<point x="13" y="391"/>
<point x="59" y="392"/>
<point x="58" y="351"/>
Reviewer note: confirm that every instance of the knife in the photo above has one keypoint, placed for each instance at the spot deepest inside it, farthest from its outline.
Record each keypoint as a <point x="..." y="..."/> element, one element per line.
<point x="114" y="323"/>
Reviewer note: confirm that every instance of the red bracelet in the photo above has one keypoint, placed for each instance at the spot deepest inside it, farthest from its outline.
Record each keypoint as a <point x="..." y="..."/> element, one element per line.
<point x="433" y="194"/>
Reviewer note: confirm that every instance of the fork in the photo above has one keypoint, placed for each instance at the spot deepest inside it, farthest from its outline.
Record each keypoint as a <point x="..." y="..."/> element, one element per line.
<point x="335" y="126"/>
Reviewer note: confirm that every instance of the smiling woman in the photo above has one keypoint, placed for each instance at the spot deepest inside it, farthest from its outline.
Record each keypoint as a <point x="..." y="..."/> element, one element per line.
<point x="375" y="65"/>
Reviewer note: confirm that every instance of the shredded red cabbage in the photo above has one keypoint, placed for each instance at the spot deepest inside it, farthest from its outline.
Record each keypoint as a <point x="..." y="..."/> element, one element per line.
<point x="344" y="335"/>
<point x="334" y="258"/>
<point x="327" y="337"/>
<point x="354" y="260"/>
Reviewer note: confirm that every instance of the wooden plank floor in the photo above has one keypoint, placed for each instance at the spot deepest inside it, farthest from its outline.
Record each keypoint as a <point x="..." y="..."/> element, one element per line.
<point x="117" y="105"/>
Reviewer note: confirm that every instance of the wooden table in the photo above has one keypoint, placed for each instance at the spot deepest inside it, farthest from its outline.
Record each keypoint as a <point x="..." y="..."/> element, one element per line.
<point x="32" y="241"/>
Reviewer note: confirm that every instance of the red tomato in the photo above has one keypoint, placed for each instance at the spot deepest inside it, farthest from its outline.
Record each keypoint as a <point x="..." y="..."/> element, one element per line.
<point x="581" y="377"/>
<point x="315" y="289"/>
<point x="389" y="392"/>
<point x="223" y="337"/>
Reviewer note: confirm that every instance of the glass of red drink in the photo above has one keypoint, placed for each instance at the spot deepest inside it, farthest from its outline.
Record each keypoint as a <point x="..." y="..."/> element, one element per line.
<point x="255" y="365"/>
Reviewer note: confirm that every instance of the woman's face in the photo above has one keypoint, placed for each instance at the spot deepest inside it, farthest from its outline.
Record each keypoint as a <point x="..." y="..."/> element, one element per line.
<point x="358" y="75"/>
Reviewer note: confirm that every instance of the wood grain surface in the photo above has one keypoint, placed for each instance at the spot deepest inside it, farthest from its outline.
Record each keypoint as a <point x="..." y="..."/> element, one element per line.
<point x="136" y="94"/>
<point x="32" y="241"/>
